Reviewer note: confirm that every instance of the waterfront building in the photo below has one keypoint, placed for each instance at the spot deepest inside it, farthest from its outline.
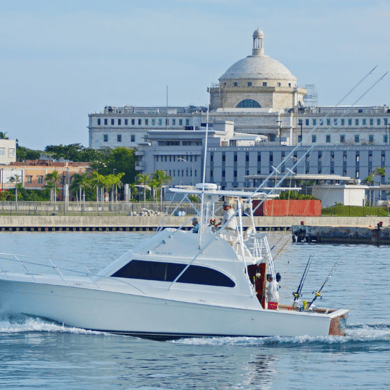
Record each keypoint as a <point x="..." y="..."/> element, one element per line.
<point x="31" y="173"/>
<point x="261" y="96"/>
<point x="7" y="151"/>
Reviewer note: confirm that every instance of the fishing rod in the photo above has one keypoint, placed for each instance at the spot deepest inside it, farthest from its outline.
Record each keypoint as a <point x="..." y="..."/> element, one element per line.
<point x="318" y="293"/>
<point x="298" y="293"/>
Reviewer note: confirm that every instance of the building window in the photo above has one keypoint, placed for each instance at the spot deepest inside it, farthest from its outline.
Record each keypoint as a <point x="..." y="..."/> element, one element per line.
<point x="132" y="138"/>
<point x="139" y="122"/>
<point x="180" y="122"/>
<point x="248" y="103"/>
<point x="264" y="84"/>
<point x="279" y="84"/>
<point x="342" y="138"/>
<point x="133" y="122"/>
<point x="187" y="122"/>
<point x="160" y="122"/>
<point x="378" y="122"/>
<point x="106" y="122"/>
<point x="146" y="122"/>
<point x="314" y="122"/>
<point x="105" y="137"/>
<point x="357" y="138"/>
<point x="249" y="83"/>
<point x="335" y="121"/>
<point x="307" y="122"/>
<point x="166" y="122"/>
<point x="99" y="121"/>
<point x="289" y="84"/>
<point x="235" y="157"/>
<point x="342" y="122"/>
<point x="349" y="122"/>
<point x="29" y="179"/>
<point x="385" y="139"/>
<point x="328" y="122"/>
<point x="371" y="138"/>
<point x="173" y="122"/>
<point x="126" y="122"/>
<point x="40" y="179"/>
<point x="385" y="121"/>
<point x="314" y="139"/>
<point x="112" y="122"/>
<point x="235" y="84"/>
<point x="153" y="122"/>
<point x="119" y="122"/>
<point x="328" y="138"/>
<point x="321" y="122"/>
<point x="364" y="121"/>
<point x="371" y="122"/>
<point x="356" y="122"/>
<point x="119" y="138"/>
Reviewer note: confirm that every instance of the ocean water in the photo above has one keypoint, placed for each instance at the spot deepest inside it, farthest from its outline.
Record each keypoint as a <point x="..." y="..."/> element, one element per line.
<point x="35" y="353"/>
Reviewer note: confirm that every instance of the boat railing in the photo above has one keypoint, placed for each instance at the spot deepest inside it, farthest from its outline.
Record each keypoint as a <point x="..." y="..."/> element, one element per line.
<point x="60" y="271"/>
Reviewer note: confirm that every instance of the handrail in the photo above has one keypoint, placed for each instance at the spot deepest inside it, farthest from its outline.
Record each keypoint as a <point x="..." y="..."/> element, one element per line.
<point x="89" y="274"/>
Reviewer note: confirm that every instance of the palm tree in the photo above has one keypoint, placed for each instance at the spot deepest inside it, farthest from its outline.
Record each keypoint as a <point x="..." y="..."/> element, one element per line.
<point x="144" y="180"/>
<point x="16" y="179"/>
<point x="3" y="135"/>
<point x="161" y="178"/>
<point x="97" y="181"/>
<point x="80" y="183"/>
<point x="52" y="181"/>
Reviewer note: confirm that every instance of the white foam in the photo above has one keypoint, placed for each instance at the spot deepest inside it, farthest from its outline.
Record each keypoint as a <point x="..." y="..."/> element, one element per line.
<point x="29" y="324"/>
<point x="354" y="333"/>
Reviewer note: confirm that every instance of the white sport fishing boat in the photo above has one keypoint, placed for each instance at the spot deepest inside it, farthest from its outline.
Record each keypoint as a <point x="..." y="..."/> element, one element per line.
<point x="175" y="284"/>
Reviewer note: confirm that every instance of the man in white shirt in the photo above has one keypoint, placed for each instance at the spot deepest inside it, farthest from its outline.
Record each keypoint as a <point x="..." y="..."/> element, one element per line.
<point x="272" y="292"/>
<point x="229" y="216"/>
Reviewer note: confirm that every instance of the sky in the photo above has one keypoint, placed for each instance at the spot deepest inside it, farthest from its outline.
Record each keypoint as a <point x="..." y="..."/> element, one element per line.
<point x="63" y="59"/>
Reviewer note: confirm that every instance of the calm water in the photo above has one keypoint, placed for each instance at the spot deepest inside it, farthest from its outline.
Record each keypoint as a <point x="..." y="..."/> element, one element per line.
<point x="39" y="354"/>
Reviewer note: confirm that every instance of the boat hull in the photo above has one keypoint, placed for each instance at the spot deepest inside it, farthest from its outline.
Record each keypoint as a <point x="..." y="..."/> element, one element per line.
<point x="156" y="318"/>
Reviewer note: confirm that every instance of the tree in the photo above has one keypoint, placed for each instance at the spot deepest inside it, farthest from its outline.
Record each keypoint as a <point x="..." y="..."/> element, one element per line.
<point x="144" y="180"/>
<point x="23" y="154"/>
<point x="81" y="183"/>
<point x="119" y="160"/>
<point x="3" y="135"/>
<point x="160" y="177"/>
<point x="52" y="182"/>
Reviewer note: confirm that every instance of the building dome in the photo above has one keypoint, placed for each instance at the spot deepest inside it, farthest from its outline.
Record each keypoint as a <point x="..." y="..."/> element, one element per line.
<point x="258" y="66"/>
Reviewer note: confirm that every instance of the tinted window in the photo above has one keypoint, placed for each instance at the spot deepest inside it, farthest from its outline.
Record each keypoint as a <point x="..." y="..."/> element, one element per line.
<point x="168" y="272"/>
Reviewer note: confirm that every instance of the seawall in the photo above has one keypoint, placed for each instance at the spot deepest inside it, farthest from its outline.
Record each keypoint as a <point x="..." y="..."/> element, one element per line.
<point x="124" y="223"/>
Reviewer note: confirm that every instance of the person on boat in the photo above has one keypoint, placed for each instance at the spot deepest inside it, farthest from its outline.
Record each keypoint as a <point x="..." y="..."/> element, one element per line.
<point x="272" y="292"/>
<point x="195" y="225"/>
<point x="228" y="216"/>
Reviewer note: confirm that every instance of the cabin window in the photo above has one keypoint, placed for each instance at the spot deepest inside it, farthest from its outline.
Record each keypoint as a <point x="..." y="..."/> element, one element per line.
<point x="167" y="272"/>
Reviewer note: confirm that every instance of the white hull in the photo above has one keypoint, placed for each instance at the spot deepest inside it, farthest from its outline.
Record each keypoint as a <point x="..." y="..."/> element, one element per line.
<point x="144" y="316"/>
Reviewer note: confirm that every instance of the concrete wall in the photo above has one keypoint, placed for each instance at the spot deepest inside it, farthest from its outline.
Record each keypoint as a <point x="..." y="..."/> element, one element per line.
<point x="100" y="221"/>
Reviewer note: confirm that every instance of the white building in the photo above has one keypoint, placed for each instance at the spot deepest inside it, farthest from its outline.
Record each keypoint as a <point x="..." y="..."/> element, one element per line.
<point x="7" y="151"/>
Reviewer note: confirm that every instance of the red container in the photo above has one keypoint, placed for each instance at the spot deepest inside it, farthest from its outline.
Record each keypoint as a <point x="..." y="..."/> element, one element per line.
<point x="285" y="208"/>
<point x="272" y="305"/>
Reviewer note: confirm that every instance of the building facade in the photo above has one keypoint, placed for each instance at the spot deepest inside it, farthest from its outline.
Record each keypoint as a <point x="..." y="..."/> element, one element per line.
<point x="7" y="151"/>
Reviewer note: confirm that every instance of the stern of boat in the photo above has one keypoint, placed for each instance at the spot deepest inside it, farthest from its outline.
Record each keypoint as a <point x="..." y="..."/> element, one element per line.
<point x="338" y="323"/>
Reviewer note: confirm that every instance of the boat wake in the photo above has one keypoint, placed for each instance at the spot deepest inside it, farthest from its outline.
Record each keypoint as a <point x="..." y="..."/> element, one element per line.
<point x="24" y="324"/>
<point x="357" y="336"/>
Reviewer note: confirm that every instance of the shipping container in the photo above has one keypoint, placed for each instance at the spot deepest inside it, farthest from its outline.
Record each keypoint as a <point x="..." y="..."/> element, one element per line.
<point x="284" y="208"/>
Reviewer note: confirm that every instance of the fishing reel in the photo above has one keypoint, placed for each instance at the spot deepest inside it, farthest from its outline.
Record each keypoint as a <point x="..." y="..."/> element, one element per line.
<point x="317" y="294"/>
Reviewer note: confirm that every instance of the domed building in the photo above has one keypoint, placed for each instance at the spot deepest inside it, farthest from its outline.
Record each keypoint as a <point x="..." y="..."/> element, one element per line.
<point x="257" y="82"/>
